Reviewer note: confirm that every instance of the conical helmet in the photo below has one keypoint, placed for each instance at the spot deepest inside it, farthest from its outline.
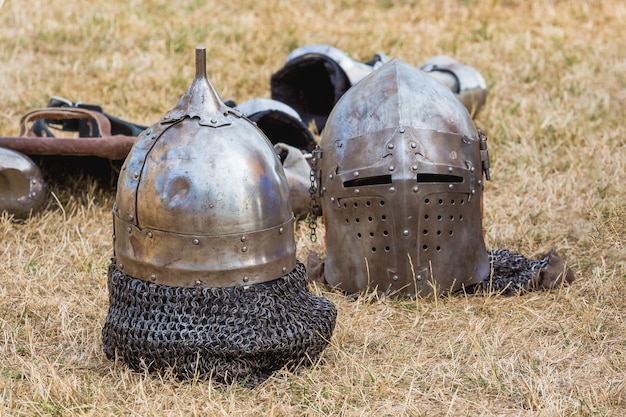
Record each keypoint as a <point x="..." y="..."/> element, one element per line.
<point x="401" y="177"/>
<point x="202" y="199"/>
<point x="204" y="281"/>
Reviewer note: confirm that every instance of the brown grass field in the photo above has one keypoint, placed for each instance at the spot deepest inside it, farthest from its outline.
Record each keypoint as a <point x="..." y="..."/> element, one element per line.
<point x="556" y="73"/>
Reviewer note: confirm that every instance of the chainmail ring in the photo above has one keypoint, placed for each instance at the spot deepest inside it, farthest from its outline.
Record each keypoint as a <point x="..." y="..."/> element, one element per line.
<point x="512" y="273"/>
<point x="233" y="334"/>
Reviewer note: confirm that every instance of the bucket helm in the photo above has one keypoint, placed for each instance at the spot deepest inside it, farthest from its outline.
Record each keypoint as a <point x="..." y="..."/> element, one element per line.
<point x="205" y="280"/>
<point x="401" y="182"/>
<point x="22" y="189"/>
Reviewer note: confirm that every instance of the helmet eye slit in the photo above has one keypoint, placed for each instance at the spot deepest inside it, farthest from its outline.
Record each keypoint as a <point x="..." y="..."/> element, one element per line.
<point x="359" y="182"/>
<point x="438" y="178"/>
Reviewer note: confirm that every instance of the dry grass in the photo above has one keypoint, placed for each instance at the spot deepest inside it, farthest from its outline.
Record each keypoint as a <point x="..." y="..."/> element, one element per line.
<point x="555" y="120"/>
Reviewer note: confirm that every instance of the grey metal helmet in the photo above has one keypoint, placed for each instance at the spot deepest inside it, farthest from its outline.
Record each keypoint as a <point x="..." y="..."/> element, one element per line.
<point x="354" y="70"/>
<point x="279" y="122"/>
<point x="22" y="189"/>
<point x="315" y="76"/>
<point x="401" y="178"/>
<point x="467" y="84"/>
<point x="202" y="199"/>
<point x="204" y="281"/>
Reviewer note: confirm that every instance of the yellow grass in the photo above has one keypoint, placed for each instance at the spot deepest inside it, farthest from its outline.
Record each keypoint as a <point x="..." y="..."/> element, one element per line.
<point x="556" y="72"/>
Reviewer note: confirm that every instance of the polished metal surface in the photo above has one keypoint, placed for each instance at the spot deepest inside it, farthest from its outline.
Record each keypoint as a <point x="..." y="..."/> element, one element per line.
<point x="354" y="70"/>
<point x="202" y="198"/>
<point x="279" y="122"/>
<point x="22" y="188"/>
<point x="401" y="182"/>
<point x="262" y="105"/>
<point x="464" y="81"/>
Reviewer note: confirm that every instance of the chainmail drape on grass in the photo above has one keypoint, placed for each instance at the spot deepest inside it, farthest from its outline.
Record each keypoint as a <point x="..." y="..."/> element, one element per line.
<point x="228" y="334"/>
<point x="512" y="273"/>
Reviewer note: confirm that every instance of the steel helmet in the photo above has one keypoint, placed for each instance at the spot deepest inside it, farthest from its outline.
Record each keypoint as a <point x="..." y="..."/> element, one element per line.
<point x="22" y="188"/>
<point x="205" y="279"/>
<point x="401" y="182"/>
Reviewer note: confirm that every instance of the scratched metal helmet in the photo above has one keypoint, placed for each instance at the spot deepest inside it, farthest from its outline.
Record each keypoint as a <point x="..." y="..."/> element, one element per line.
<point x="401" y="177"/>
<point x="202" y="199"/>
<point x="22" y="189"/>
<point x="205" y="280"/>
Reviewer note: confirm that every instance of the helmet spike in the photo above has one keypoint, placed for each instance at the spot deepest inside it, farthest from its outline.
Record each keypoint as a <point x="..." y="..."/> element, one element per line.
<point x="201" y="100"/>
<point x="200" y="62"/>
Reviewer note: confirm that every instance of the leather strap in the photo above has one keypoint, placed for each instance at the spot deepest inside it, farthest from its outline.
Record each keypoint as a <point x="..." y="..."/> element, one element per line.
<point x="105" y="145"/>
<point x="118" y="126"/>
<point x="98" y="123"/>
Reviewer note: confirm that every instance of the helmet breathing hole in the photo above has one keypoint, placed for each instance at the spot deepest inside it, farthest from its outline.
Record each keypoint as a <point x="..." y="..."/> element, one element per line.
<point x="357" y="220"/>
<point x="367" y="203"/>
<point x="438" y="248"/>
<point x="439" y="217"/>
<point x="460" y="217"/>
<point x="347" y="220"/>
<point x="426" y="200"/>
<point x="425" y="232"/>
<point x="387" y="248"/>
<point x="385" y="233"/>
<point x="425" y="247"/>
<point x="426" y="216"/>
<point x="440" y="201"/>
<point x="382" y="202"/>
<point x="369" y="219"/>
<point x="450" y="233"/>
<point x="438" y="232"/>
<point x="359" y="235"/>
<point x="374" y="249"/>
<point x="383" y="217"/>
<point x="371" y="234"/>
